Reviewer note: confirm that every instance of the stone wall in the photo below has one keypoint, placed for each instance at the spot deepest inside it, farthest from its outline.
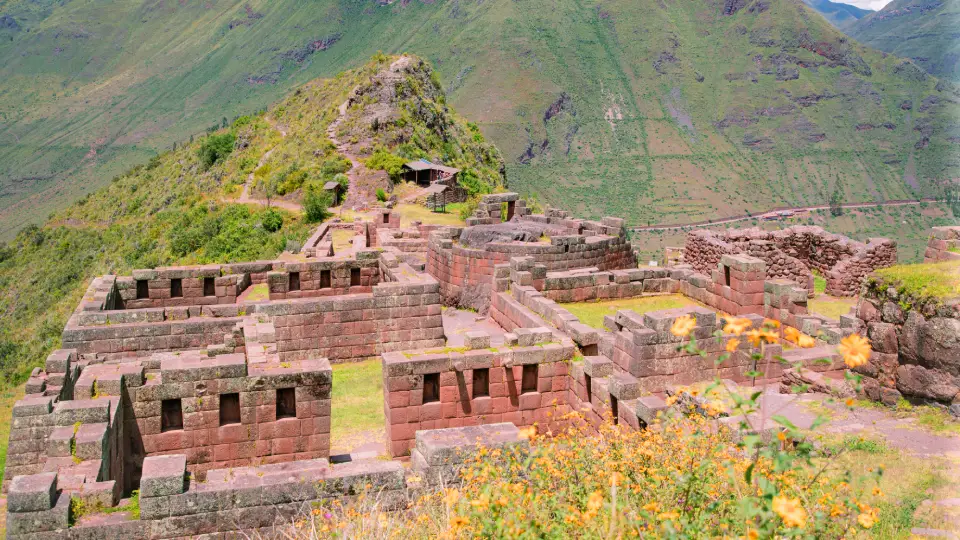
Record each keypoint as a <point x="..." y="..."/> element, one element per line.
<point x="178" y="286"/>
<point x="409" y="405"/>
<point x="324" y="277"/>
<point x="916" y="345"/>
<point x="943" y="245"/>
<point x="793" y="252"/>
<point x="396" y="316"/>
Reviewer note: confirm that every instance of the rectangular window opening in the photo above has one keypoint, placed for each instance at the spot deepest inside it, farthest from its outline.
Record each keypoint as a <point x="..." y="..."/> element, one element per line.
<point x="171" y="415"/>
<point x="354" y="277"/>
<point x="615" y="409"/>
<point x="176" y="288"/>
<point x="286" y="403"/>
<point x="726" y="275"/>
<point x="386" y="218"/>
<point x="143" y="289"/>
<point x="588" y="380"/>
<point x="529" y="381"/>
<point x="431" y="387"/>
<point x="229" y="409"/>
<point x="481" y="382"/>
<point x="209" y="286"/>
<point x="294" y="281"/>
<point x="324" y="279"/>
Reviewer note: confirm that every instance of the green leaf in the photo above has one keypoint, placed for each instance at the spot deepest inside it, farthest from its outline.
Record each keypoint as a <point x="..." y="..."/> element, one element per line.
<point x="748" y="474"/>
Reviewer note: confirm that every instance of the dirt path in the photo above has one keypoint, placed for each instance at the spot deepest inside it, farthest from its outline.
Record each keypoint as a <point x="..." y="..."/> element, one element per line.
<point x="735" y="219"/>
<point x="245" y="197"/>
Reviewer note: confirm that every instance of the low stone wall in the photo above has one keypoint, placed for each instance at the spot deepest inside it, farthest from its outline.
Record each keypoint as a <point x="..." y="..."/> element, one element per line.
<point x="264" y="500"/>
<point x="451" y="399"/>
<point x="324" y="277"/>
<point x="793" y="252"/>
<point x="943" y="245"/>
<point x="396" y="316"/>
<point x="916" y="345"/>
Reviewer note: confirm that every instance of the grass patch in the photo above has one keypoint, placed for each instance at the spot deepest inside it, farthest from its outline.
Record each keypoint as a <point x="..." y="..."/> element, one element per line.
<point x="342" y="240"/>
<point x="7" y="399"/>
<point x="936" y="420"/>
<point x="592" y="313"/>
<point x="357" y="405"/>
<point x="830" y="306"/>
<point x="939" y="280"/>
<point x="259" y="293"/>
<point x="414" y="212"/>
<point x="819" y="284"/>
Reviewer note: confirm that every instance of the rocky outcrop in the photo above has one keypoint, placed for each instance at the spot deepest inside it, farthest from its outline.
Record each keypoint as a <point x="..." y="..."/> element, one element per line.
<point x="916" y="344"/>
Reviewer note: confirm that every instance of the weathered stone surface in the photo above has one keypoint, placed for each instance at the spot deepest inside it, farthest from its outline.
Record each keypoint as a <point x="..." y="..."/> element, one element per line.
<point x="163" y="475"/>
<point x="939" y="345"/>
<point x="33" y="493"/>
<point x="927" y="383"/>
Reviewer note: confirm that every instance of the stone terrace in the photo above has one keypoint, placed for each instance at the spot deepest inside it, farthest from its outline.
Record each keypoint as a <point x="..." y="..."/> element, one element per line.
<point x="218" y="409"/>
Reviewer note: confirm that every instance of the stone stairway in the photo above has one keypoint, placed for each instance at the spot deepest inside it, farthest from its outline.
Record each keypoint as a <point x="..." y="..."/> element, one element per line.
<point x="260" y="341"/>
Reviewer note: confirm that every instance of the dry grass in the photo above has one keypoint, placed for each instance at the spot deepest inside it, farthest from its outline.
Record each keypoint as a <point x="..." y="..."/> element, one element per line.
<point x="592" y="313"/>
<point x="831" y="307"/>
<point x="414" y="212"/>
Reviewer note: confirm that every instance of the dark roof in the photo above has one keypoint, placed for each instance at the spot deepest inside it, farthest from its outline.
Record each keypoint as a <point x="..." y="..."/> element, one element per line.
<point x="436" y="188"/>
<point x="331" y="185"/>
<point x="424" y="165"/>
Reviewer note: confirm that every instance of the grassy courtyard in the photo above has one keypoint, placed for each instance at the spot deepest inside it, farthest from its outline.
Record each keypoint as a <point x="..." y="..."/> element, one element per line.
<point x="591" y="313"/>
<point x="357" y="408"/>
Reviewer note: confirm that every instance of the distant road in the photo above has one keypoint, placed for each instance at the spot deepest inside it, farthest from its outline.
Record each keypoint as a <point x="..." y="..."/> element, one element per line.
<point x="745" y="217"/>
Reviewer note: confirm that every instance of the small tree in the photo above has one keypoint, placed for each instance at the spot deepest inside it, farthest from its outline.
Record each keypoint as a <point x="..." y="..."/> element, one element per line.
<point x="215" y="148"/>
<point x="316" y="201"/>
<point x="272" y="220"/>
<point x="268" y="185"/>
<point x="381" y="195"/>
<point x="836" y="201"/>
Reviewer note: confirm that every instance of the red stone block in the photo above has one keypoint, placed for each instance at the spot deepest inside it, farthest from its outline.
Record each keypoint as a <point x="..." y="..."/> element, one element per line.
<point x="399" y="399"/>
<point x="430" y="411"/>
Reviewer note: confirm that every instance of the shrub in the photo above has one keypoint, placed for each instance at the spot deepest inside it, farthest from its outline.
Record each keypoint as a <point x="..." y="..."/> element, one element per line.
<point x="381" y="195"/>
<point x="335" y="165"/>
<point x="272" y="221"/>
<point x="215" y="148"/>
<point x="385" y="161"/>
<point x="343" y="180"/>
<point x="315" y="203"/>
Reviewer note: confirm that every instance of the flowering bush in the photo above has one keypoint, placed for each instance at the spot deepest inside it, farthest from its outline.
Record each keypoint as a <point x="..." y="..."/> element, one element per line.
<point x="687" y="475"/>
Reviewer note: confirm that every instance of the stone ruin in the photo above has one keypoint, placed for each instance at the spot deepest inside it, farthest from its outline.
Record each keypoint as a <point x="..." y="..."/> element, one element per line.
<point x="794" y="253"/>
<point x="943" y="245"/>
<point x="208" y="388"/>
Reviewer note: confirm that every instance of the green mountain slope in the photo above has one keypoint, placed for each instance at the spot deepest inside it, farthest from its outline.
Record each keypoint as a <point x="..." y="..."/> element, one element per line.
<point x="654" y="110"/>
<point x="927" y="31"/>
<point x="177" y="209"/>
<point x="837" y="13"/>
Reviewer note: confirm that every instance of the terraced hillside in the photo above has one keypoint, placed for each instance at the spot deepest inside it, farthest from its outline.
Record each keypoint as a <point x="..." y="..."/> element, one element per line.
<point x="927" y="31"/>
<point x="648" y="109"/>
<point x="179" y="207"/>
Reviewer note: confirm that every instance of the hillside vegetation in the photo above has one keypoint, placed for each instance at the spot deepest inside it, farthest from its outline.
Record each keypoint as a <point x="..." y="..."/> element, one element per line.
<point x="837" y="13"/>
<point x="650" y="110"/>
<point x="925" y="31"/>
<point x="176" y="209"/>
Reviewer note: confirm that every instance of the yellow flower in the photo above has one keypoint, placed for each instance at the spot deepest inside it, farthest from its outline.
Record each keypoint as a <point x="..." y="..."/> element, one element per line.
<point x="451" y="497"/>
<point x="595" y="501"/>
<point x="736" y="326"/>
<point x="683" y="325"/>
<point x="781" y="436"/>
<point x="866" y="520"/>
<point x="528" y="432"/>
<point x="771" y="322"/>
<point x="878" y="492"/>
<point x="755" y="337"/>
<point x="458" y="521"/>
<point x="791" y="334"/>
<point x="790" y="511"/>
<point x="849" y="402"/>
<point x="482" y="503"/>
<point x="651" y="507"/>
<point x="668" y="515"/>
<point x="855" y="350"/>
<point x="806" y="341"/>
<point x="671" y="400"/>
<point x="732" y="345"/>
<point x="752" y="534"/>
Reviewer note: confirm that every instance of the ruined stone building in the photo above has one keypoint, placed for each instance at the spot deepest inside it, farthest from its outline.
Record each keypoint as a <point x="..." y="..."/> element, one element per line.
<point x="208" y="388"/>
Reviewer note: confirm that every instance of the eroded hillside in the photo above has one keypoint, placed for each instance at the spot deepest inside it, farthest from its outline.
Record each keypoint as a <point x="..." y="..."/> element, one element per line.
<point x="657" y="111"/>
